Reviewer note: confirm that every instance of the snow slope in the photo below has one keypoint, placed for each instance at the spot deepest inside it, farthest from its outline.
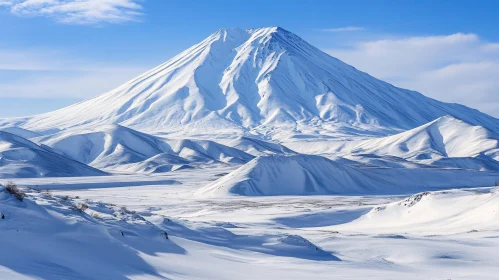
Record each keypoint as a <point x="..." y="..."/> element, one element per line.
<point x="442" y="212"/>
<point x="53" y="237"/>
<point x="117" y="148"/>
<point x="267" y="80"/>
<point x="205" y="150"/>
<point x="21" y="158"/>
<point x="444" y="137"/>
<point x="247" y="234"/>
<point x="293" y="175"/>
<point x="314" y="175"/>
<point x="24" y="133"/>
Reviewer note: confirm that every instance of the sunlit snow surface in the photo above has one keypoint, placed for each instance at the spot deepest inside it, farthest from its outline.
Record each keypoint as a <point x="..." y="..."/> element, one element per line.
<point x="450" y="234"/>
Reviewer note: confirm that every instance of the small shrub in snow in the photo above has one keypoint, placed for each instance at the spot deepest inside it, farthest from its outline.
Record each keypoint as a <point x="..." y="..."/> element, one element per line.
<point x="80" y="207"/>
<point x="413" y="199"/>
<point x="65" y="198"/>
<point x="14" y="190"/>
<point x="124" y="210"/>
<point x="96" y="216"/>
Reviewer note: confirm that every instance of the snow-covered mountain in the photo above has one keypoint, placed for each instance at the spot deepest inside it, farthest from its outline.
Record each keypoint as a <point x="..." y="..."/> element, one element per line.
<point x="21" y="158"/>
<point x="265" y="80"/>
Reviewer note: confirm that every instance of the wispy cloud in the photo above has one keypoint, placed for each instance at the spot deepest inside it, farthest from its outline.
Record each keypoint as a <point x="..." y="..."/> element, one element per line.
<point x="78" y="11"/>
<point x="459" y="67"/>
<point x="30" y="73"/>
<point x="344" y="29"/>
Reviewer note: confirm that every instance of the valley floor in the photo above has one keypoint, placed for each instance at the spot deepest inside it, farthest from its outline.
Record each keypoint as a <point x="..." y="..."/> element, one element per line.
<point x="279" y="237"/>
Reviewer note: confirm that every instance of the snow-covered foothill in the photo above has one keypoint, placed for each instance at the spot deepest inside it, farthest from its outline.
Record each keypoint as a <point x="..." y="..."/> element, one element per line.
<point x="439" y="212"/>
<point x="444" y="142"/>
<point x="21" y="158"/>
<point x="315" y="175"/>
<point x="117" y="148"/>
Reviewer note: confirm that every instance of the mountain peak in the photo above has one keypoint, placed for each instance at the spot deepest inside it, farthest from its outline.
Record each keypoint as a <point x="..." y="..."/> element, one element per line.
<point x="264" y="81"/>
<point x="267" y="30"/>
<point x="259" y="35"/>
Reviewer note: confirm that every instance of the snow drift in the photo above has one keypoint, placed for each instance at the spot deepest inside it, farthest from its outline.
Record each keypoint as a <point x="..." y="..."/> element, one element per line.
<point x="62" y="237"/>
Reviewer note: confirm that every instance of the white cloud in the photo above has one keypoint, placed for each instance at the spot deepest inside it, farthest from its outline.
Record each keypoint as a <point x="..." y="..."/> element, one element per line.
<point x="79" y="11"/>
<point x="458" y="68"/>
<point x="344" y="29"/>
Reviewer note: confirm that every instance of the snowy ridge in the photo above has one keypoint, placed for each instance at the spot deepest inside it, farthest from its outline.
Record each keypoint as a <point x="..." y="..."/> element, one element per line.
<point x="292" y="175"/>
<point x="252" y="80"/>
<point x="24" y="133"/>
<point x="445" y="142"/>
<point x="444" y="137"/>
<point x="259" y="147"/>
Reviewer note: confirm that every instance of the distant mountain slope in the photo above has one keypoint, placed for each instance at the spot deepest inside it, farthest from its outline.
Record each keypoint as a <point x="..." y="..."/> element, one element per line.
<point x="24" y="133"/>
<point x="21" y="158"/>
<point x="266" y="80"/>
<point x="444" y="137"/>
<point x="117" y="148"/>
<point x="204" y="150"/>
<point x="315" y="175"/>
<point x="106" y="146"/>
<point x="444" y="142"/>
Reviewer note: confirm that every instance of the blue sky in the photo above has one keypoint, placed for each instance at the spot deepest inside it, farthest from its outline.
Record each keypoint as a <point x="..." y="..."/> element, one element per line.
<point x="56" y="52"/>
